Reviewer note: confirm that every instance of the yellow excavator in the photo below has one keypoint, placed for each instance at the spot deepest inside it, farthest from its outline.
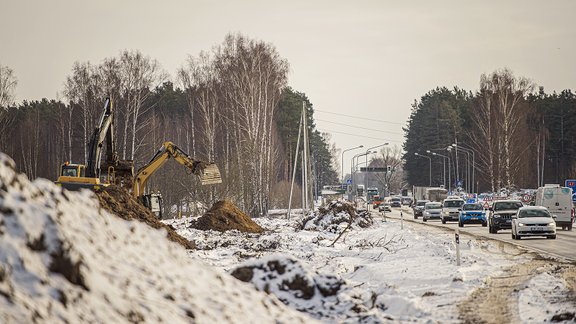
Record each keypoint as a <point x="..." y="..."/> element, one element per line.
<point x="96" y="175"/>
<point x="207" y="172"/>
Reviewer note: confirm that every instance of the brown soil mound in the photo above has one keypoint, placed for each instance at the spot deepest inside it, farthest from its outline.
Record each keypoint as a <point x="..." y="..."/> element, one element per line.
<point x="225" y="216"/>
<point x="119" y="202"/>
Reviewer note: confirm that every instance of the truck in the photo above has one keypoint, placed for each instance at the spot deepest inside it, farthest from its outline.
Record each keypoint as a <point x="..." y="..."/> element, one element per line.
<point x="558" y="200"/>
<point x="360" y="190"/>
<point x="429" y="193"/>
<point x="370" y="193"/>
<point x="377" y="200"/>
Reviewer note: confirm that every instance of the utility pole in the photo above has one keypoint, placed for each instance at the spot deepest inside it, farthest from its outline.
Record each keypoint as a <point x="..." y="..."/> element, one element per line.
<point x="295" y="164"/>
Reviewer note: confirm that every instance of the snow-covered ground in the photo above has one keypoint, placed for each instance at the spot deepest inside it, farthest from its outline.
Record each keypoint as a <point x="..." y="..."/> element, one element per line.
<point x="392" y="271"/>
<point x="65" y="259"/>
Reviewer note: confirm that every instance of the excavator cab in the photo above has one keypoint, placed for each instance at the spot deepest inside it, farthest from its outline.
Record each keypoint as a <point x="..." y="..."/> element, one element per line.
<point x="73" y="177"/>
<point x="72" y="170"/>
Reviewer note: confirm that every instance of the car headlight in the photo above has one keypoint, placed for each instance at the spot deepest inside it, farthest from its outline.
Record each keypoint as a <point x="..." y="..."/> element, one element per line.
<point x="552" y="224"/>
<point x="445" y="213"/>
<point x="496" y="216"/>
<point x="521" y="224"/>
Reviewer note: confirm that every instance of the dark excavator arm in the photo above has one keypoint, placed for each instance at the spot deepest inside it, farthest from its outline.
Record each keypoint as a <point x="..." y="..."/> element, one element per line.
<point x="121" y="169"/>
<point x="102" y="131"/>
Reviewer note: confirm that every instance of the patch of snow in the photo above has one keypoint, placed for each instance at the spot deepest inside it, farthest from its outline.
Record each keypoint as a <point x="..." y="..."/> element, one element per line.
<point x="543" y="297"/>
<point x="63" y="259"/>
<point x="405" y="275"/>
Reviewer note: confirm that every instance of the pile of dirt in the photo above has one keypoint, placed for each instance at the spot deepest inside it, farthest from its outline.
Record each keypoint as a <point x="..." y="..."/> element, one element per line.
<point x="119" y="202"/>
<point x="225" y="216"/>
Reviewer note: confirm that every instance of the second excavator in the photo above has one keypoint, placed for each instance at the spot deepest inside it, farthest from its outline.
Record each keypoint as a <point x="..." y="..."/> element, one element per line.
<point x="208" y="173"/>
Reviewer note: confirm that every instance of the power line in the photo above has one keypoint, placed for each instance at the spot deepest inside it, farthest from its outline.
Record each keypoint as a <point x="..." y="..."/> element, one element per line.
<point x="363" y="136"/>
<point x="350" y="116"/>
<point x="364" y="128"/>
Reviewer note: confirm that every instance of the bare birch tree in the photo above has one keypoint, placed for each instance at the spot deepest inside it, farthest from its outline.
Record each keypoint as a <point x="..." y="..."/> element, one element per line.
<point x="198" y="78"/>
<point x="509" y="91"/>
<point x="253" y="75"/>
<point x="8" y="83"/>
<point x="138" y="74"/>
<point x="500" y="116"/>
<point x="483" y="139"/>
<point x="81" y="89"/>
<point x="389" y="156"/>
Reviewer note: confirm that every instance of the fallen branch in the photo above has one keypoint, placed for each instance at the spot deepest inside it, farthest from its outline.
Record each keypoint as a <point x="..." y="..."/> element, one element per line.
<point x="344" y="231"/>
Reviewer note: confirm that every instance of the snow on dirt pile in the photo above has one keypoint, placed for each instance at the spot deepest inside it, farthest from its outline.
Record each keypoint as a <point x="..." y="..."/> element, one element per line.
<point x="64" y="259"/>
<point x="325" y="297"/>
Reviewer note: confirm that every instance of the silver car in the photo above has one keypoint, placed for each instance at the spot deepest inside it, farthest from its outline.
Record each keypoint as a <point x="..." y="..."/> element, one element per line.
<point x="533" y="221"/>
<point x="432" y="210"/>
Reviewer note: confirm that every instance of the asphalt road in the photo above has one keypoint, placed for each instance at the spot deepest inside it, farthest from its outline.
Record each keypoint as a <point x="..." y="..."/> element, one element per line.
<point x="563" y="246"/>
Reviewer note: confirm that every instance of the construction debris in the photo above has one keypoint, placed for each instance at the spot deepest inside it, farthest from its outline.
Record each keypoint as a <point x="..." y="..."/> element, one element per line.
<point x="334" y="216"/>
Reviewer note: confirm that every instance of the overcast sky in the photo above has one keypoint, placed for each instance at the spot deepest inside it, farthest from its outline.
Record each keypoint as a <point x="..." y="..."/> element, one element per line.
<point x="368" y="59"/>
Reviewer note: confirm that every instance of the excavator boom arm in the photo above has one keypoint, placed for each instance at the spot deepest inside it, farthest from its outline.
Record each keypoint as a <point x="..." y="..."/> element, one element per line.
<point x="100" y="134"/>
<point x="207" y="172"/>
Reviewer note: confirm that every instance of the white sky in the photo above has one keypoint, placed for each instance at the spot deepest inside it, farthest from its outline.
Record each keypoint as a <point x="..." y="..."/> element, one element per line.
<point x="369" y="59"/>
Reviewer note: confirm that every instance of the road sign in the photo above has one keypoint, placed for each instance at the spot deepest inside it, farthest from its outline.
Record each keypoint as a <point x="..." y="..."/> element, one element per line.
<point x="349" y="181"/>
<point x="486" y="205"/>
<point x="373" y="169"/>
<point x="571" y="183"/>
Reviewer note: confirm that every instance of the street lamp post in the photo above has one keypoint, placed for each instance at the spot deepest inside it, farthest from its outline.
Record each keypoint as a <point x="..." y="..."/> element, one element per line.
<point x="352" y="170"/>
<point x="346" y="150"/>
<point x="467" y="151"/>
<point x="449" y="149"/>
<point x="466" y="148"/>
<point x="443" y="168"/>
<point x="444" y="157"/>
<point x="429" y="160"/>
<point x="373" y="147"/>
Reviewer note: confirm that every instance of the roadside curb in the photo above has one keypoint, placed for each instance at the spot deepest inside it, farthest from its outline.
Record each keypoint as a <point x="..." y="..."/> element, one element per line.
<point x="539" y="252"/>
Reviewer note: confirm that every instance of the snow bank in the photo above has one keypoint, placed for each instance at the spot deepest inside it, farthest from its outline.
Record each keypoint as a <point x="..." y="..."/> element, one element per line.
<point x="326" y="297"/>
<point x="63" y="259"/>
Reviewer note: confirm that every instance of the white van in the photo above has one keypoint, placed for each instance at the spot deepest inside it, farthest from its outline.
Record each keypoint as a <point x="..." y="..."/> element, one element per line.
<point x="558" y="200"/>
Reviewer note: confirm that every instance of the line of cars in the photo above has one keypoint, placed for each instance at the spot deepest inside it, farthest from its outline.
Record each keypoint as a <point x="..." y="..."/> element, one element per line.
<point x="387" y="204"/>
<point x="501" y="214"/>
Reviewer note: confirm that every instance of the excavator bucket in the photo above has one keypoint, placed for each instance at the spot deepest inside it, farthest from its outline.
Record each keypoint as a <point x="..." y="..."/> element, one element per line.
<point x="209" y="173"/>
<point x="124" y="173"/>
